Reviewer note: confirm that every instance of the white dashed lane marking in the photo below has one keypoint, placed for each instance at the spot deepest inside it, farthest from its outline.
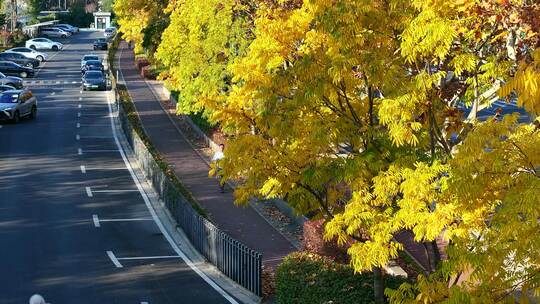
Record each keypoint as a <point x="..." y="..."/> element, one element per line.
<point x="48" y="82"/>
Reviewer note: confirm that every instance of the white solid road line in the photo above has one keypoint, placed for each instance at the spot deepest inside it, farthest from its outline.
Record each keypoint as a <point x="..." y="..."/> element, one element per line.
<point x="80" y="98"/>
<point x="78" y="125"/>
<point x="77" y="137"/>
<point x="96" y="221"/>
<point x="93" y="125"/>
<point x="114" y="259"/>
<point x="105" y="168"/>
<point x="83" y="169"/>
<point x="151" y="257"/>
<point x="127" y="220"/>
<point x="78" y="114"/>
<point x="156" y="218"/>
<point x="89" y="192"/>
<point x="79" y="151"/>
<point x="114" y="191"/>
<point x="79" y="106"/>
<point x="97" y="151"/>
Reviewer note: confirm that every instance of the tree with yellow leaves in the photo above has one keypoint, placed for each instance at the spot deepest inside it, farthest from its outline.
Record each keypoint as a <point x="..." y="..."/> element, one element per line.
<point x="136" y="17"/>
<point x="308" y="124"/>
<point x="201" y="40"/>
<point x="352" y="112"/>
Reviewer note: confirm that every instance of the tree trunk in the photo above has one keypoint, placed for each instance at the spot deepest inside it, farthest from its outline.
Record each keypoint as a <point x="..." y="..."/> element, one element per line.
<point x="378" y="285"/>
<point x="432" y="252"/>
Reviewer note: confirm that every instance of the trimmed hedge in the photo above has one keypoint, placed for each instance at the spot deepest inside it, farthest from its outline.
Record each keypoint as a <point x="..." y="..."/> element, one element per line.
<point x="309" y="278"/>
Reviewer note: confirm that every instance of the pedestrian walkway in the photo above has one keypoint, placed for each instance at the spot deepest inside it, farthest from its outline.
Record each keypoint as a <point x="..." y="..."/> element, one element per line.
<point x="242" y="223"/>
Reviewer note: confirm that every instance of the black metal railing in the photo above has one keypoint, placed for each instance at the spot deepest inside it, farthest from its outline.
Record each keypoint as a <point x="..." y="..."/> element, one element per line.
<point x="237" y="261"/>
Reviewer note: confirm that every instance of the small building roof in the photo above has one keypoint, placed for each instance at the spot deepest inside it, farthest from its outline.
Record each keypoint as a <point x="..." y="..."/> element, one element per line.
<point x="102" y="14"/>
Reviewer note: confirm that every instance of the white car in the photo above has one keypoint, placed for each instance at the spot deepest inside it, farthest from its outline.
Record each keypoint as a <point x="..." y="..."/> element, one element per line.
<point x="43" y="44"/>
<point x="72" y="28"/>
<point x="28" y="52"/>
<point x="110" y="32"/>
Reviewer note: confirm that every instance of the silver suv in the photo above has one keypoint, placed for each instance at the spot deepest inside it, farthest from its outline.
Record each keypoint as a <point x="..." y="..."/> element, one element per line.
<point x="15" y="104"/>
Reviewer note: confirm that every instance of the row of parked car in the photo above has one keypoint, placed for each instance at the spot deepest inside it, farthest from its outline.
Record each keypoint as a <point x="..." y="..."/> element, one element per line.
<point x="17" y="63"/>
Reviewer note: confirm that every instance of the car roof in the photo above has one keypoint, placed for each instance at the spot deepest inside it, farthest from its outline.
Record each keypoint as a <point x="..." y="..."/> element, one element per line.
<point x="90" y="55"/>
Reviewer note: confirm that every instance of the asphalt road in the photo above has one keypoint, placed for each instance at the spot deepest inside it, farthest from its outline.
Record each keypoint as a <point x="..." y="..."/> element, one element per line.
<point x="73" y="225"/>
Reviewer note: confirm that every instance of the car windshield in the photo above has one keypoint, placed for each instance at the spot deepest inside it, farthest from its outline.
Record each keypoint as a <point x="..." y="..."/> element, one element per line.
<point x="9" y="98"/>
<point x="93" y="62"/>
<point x="93" y="75"/>
<point x="90" y="58"/>
<point x="100" y="40"/>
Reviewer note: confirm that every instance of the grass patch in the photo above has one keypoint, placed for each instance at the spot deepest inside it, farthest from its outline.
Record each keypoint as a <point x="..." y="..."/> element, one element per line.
<point x="309" y="278"/>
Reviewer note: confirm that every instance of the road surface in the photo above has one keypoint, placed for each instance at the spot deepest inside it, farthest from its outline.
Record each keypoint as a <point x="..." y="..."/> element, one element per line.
<point x="73" y="225"/>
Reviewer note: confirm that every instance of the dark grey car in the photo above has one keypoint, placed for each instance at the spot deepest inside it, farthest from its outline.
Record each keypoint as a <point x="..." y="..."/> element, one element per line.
<point x="13" y="81"/>
<point x="16" y="104"/>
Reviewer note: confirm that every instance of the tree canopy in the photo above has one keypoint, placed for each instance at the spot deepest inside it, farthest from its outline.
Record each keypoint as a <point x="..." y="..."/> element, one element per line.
<point x="354" y="111"/>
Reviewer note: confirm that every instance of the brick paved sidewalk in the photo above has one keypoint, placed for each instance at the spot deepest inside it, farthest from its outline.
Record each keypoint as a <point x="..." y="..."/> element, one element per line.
<point x="242" y="223"/>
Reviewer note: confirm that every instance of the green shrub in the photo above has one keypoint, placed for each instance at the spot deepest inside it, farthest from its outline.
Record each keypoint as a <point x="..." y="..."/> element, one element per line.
<point x="202" y="122"/>
<point x="309" y="278"/>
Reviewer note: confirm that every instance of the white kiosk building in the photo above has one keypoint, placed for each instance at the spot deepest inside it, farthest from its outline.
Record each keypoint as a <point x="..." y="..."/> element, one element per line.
<point x="102" y="20"/>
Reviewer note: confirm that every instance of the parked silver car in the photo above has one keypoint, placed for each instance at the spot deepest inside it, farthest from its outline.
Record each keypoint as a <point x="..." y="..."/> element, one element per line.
<point x="16" y="104"/>
<point x="54" y="32"/>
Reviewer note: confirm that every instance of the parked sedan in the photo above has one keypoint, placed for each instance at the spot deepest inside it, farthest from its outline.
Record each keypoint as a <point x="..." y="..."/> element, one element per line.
<point x="12" y="81"/>
<point x="15" y="104"/>
<point x="94" y="80"/>
<point x="43" y="44"/>
<point x="19" y="59"/>
<point x="11" y="68"/>
<point x="100" y="44"/>
<point x="73" y="29"/>
<point x="93" y="65"/>
<point x="28" y="52"/>
<point x="65" y="28"/>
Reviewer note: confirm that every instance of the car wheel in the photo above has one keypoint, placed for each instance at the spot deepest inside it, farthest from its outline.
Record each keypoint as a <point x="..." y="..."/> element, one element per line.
<point x="54" y="48"/>
<point x="24" y="74"/>
<point x="33" y="112"/>
<point x="11" y="85"/>
<point x="33" y="47"/>
<point x="64" y="36"/>
<point x="40" y="58"/>
<point x="16" y="117"/>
